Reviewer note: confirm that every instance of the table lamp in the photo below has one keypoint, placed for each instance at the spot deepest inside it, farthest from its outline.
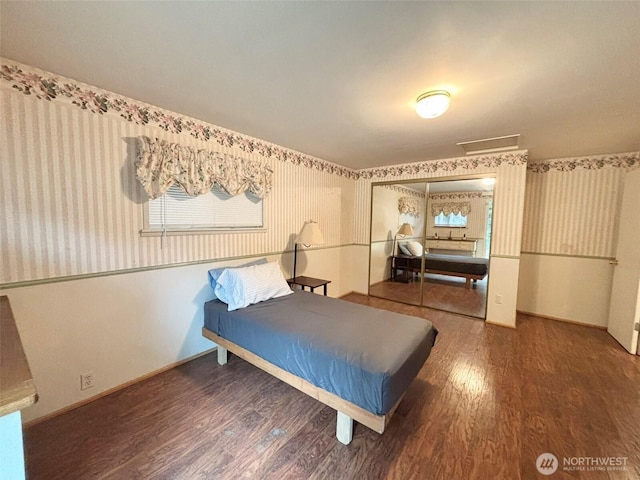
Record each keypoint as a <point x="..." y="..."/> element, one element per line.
<point x="309" y="235"/>
<point x="404" y="230"/>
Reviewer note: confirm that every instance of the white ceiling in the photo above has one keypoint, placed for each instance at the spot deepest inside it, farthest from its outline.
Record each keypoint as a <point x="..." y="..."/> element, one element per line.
<point x="338" y="79"/>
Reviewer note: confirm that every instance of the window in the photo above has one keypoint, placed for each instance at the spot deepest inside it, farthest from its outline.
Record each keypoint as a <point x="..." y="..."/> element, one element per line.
<point x="451" y="220"/>
<point x="176" y="211"/>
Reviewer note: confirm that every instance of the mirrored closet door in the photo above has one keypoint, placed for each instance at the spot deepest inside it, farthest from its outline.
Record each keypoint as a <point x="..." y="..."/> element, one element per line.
<point x="430" y="243"/>
<point x="397" y="236"/>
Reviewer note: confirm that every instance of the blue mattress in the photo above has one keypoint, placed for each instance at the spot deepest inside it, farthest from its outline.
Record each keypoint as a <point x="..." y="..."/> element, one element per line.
<point x="362" y="354"/>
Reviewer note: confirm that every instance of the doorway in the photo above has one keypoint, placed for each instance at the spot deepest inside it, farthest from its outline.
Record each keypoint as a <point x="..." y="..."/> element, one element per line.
<point x="430" y="243"/>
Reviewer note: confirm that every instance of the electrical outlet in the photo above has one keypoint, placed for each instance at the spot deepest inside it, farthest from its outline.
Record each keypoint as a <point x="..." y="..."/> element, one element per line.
<point x="86" y="380"/>
<point x="499" y="299"/>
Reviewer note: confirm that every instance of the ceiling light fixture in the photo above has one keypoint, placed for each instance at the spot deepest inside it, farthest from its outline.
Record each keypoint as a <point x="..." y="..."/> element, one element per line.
<point x="433" y="104"/>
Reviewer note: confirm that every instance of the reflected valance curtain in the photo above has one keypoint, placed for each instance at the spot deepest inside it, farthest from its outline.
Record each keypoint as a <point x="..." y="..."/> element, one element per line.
<point x="463" y="208"/>
<point x="162" y="164"/>
<point x="409" y="205"/>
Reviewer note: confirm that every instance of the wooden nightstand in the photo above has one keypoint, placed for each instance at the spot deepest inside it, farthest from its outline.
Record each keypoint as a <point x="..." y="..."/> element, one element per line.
<point x="310" y="282"/>
<point x="402" y="263"/>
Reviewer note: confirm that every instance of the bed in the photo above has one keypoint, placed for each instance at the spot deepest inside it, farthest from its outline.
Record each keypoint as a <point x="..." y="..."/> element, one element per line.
<point x="356" y="359"/>
<point x="470" y="268"/>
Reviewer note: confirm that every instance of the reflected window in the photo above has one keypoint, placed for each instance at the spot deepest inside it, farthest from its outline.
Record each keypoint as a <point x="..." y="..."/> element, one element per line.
<point x="451" y="220"/>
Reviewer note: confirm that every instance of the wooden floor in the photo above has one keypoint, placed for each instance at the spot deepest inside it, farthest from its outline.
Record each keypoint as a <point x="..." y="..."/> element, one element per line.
<point x="487" y="403"/>
<point x="442" y="292"/>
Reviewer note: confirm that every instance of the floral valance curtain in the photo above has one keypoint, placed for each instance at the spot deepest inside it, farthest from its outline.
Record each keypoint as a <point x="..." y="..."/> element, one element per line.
<point x="463" y="208"/>
<point x="409" y="205"/>
<point x="162" y="164"/>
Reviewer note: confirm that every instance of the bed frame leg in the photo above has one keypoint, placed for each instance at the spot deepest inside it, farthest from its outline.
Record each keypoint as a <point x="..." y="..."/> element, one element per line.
<point x="344" y="428"/>
<point x="222" y="355"/>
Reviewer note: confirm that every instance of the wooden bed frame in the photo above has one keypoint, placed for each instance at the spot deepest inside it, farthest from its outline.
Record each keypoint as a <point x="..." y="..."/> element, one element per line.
<point x="407" y="268"/>
<point x="347" y="411"/>
<point x="467" y="276"/>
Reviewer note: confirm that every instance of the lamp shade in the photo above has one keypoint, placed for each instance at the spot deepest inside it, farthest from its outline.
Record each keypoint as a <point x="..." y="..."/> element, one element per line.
<point x="432" y="104"/>
<point x="405" y="229"/>
<point x="310" y="234"/>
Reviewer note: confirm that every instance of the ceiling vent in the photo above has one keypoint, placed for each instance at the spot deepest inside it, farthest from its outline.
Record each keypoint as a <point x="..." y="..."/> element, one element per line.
<point x="491" y="145"/>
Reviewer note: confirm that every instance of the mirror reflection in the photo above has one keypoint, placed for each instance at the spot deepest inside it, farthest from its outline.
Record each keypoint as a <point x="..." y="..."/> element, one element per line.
<point x="397" y="226"/>
<point x="430" y="244"/>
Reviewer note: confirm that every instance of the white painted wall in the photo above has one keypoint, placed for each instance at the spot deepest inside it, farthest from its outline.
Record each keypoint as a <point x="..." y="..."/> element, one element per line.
<point x="119" y="327"/>
<point x="327" y="263"/>
<point x="380" y="261"/>
<point x="501" y="284"/>
<point x="568" y="288"/>
<point x="359" y="256"/>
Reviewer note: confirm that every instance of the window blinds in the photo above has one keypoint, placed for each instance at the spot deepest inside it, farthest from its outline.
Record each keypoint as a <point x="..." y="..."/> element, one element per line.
<point x="215" y="209"/>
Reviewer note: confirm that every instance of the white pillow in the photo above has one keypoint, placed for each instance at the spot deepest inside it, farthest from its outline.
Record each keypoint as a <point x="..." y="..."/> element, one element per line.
<point x="241" y="287"/>
<point x="216" y="272"/>
<point x="415" y="248"/>
<point x="404" y="249"/>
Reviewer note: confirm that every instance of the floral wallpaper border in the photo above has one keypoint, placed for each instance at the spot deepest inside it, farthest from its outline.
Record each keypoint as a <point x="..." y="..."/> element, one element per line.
<point x="405" y="190"/>
<point x="448" y="165"/>
<point x="452" y="196"/>
<point x="630" y="160"/>
<point x="45" y="86"/>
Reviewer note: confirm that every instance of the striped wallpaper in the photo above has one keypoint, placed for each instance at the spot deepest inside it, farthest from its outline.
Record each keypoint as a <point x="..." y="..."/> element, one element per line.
<point x="572" y="212"/>
<point x="508" y="201"/>
<point x="71" y="204"/>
